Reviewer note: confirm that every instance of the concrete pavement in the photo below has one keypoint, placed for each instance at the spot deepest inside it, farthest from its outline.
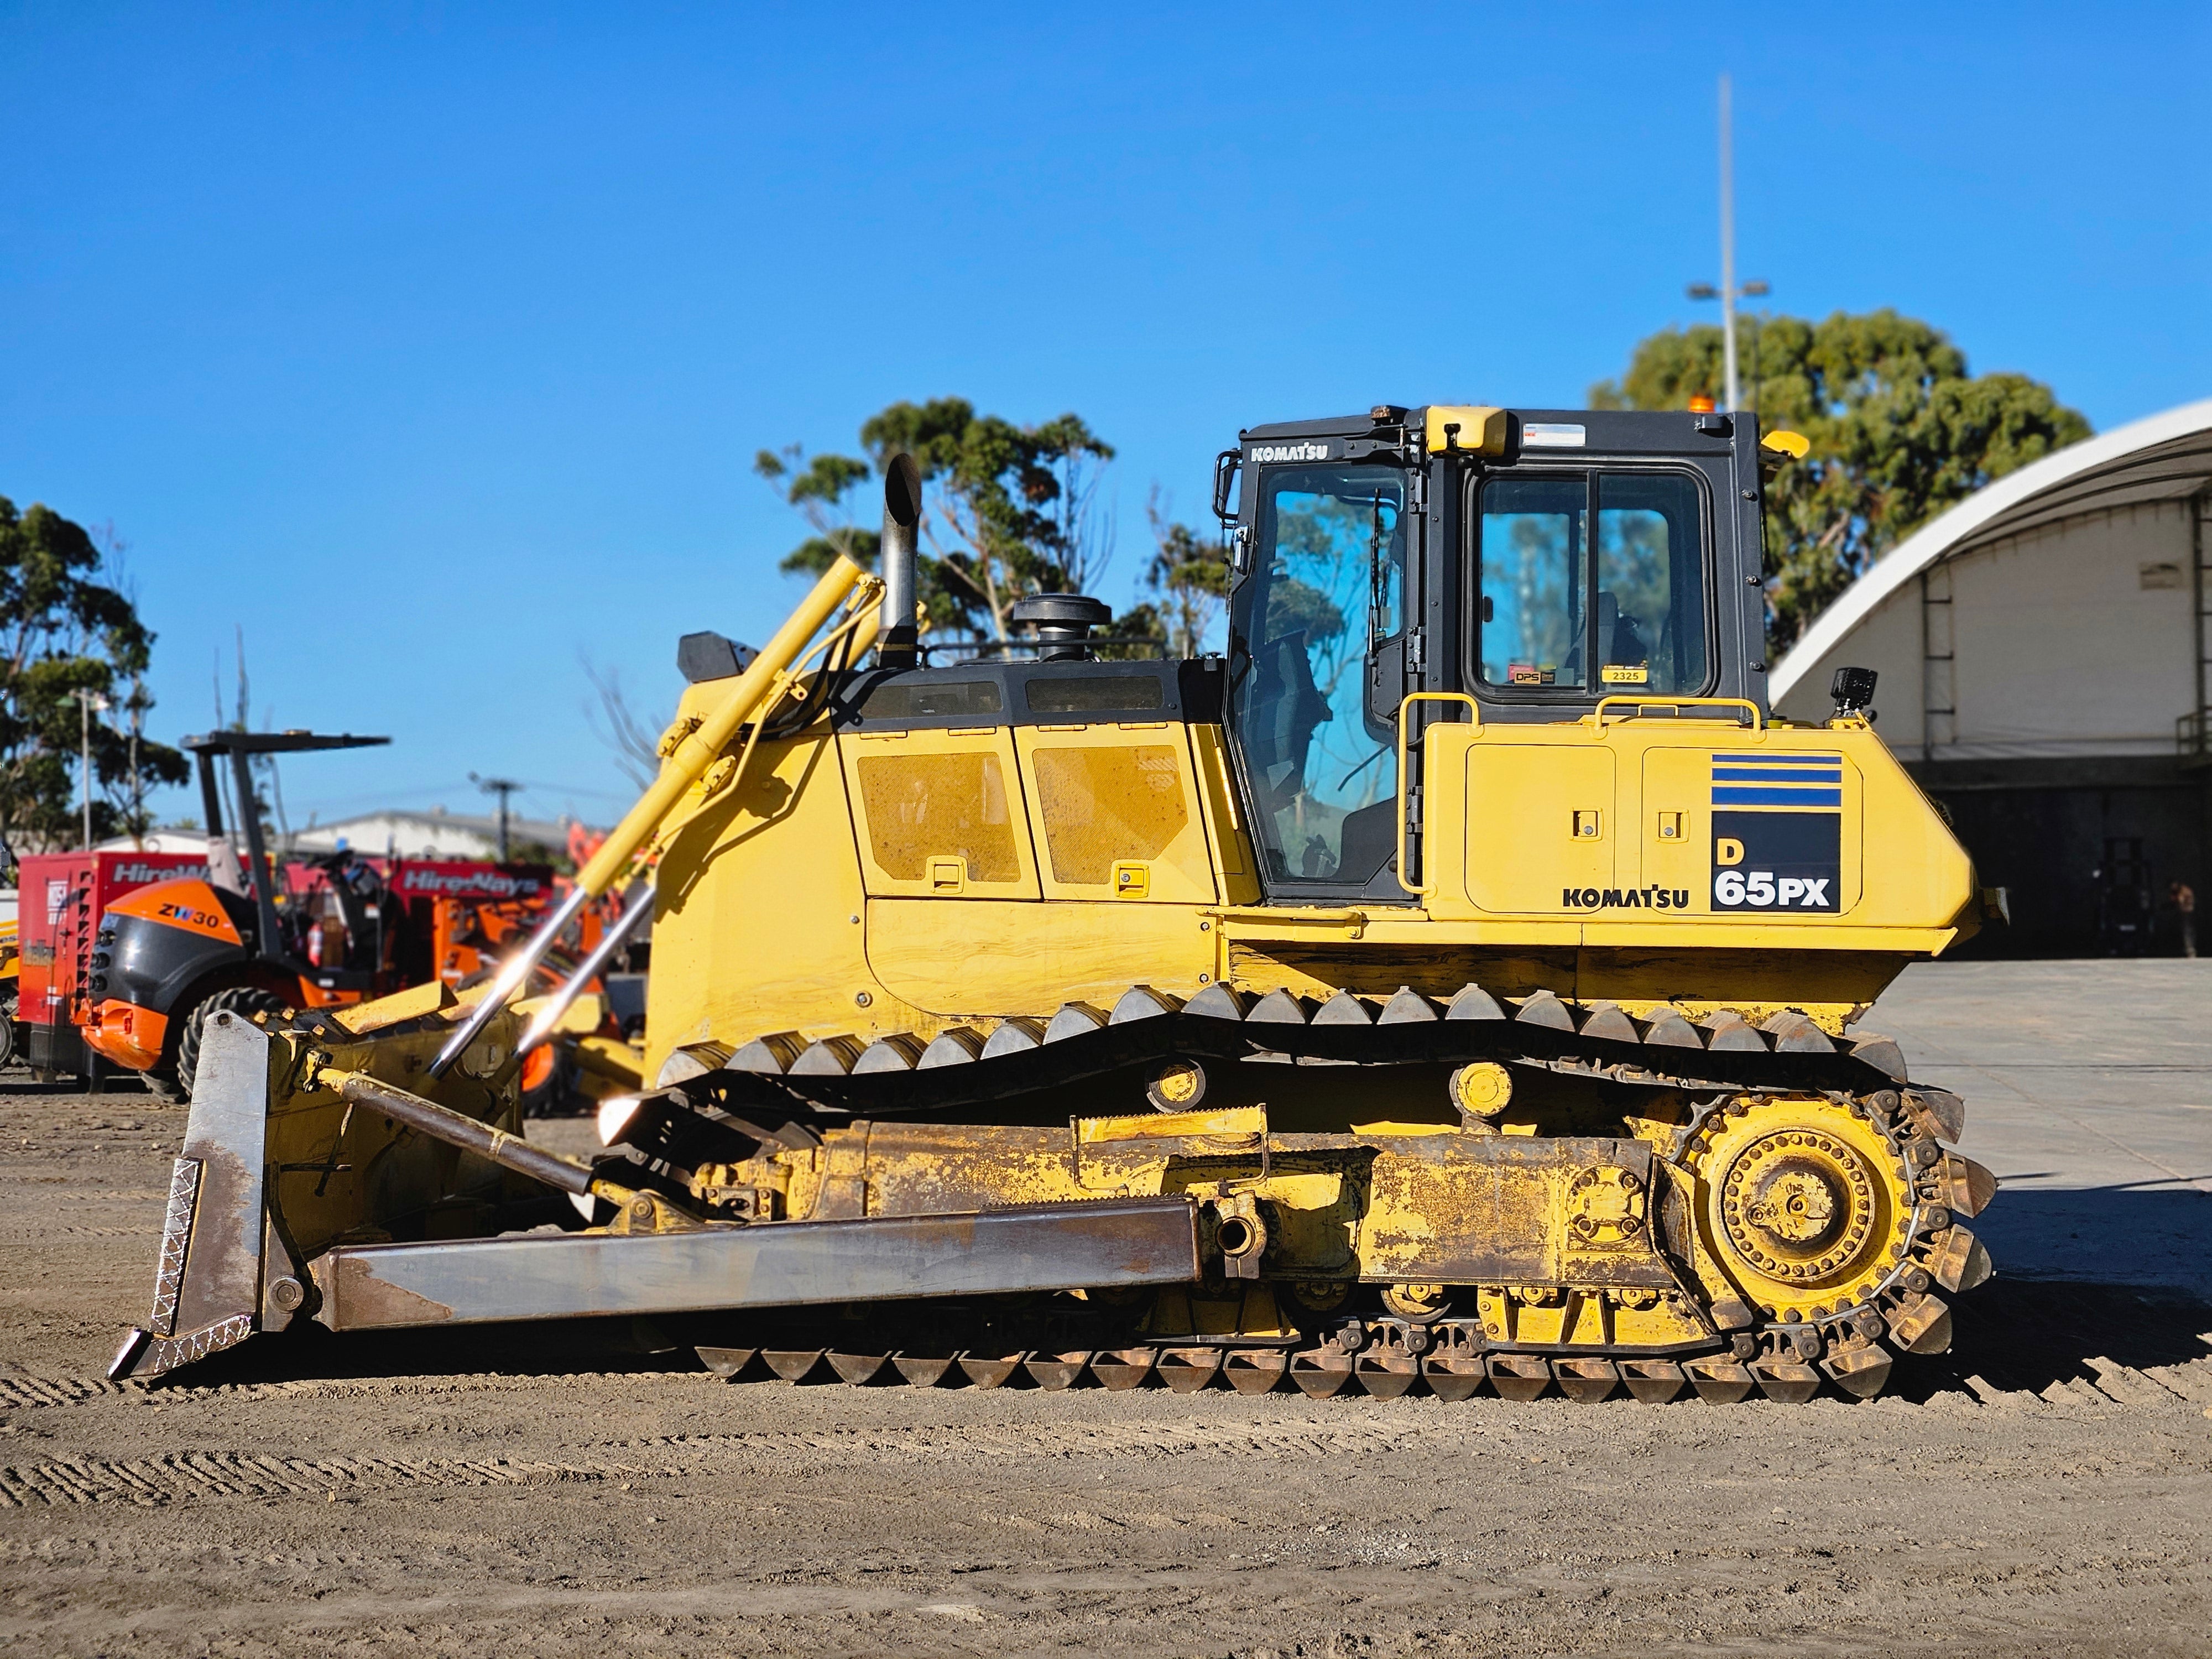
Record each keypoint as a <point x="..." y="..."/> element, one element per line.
<point x="2088" y="1088"/>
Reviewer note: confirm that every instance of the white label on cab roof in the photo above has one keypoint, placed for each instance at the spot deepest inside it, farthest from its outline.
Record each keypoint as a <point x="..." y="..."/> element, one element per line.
<point x="1307" y="449"/>
<point x="1538" y="435"/>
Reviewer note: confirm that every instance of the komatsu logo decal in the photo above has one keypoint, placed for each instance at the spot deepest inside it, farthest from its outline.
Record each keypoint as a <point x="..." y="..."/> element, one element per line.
<point x="1311" y="450"/>
<point x="1654" y="897"/>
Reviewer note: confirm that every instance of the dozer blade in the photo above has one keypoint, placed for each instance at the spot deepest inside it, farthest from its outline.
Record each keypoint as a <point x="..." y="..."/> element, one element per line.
<point x="1043" y="1247"/>
<point x="207" y="1286"/>
<point x="235" y="1261"/>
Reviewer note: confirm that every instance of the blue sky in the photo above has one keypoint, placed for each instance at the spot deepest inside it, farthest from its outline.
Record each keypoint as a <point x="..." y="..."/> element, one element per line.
<point x="431" y="343"/>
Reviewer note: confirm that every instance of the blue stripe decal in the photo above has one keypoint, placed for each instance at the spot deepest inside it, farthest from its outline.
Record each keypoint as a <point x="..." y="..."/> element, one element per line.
<point x="1745" y="759"/>
<point x="1774" y="774"/>
<point x="1771" y="797"/>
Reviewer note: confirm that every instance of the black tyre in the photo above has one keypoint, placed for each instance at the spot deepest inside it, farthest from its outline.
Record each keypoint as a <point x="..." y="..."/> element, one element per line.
<point x="555" y="1093"/>
<point x="10" y="1049"/>
<point x="246" y="999"/>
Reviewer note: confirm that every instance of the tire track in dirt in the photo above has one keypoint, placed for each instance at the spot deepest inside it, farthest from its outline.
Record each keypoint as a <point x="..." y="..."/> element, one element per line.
<point x="20" y="1390"/>
<point x="179" y="1475"/>
<point x="2107" y="1382"/>
<point x="175" y="1477"/>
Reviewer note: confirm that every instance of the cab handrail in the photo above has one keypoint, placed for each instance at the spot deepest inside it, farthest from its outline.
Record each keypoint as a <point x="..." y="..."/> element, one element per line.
<point x="1758" y="719"/>
<point x="1475" y="709"/>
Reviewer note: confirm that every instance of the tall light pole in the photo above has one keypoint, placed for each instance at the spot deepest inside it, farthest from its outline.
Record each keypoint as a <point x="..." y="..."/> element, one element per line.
<point x="1728" y="293"/>
<point x="89" y="700"/>
<point x="1728" y="252"/>
<point x="137" y="785"/>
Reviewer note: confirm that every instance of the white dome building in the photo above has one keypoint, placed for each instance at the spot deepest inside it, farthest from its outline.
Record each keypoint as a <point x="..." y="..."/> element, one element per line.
<point x="2043" y="650"/>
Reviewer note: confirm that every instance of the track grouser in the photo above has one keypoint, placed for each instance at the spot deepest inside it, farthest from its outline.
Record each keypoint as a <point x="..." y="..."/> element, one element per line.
<point x="1454" y="983"/>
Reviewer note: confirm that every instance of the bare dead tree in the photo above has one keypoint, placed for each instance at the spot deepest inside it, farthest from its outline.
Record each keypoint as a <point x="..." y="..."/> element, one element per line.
<point x="635" y="742"/>
<point x="1087" y="520"/>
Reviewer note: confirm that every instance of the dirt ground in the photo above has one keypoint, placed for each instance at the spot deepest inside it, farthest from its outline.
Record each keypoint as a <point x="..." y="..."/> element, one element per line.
<point x="2045" y="1489"/>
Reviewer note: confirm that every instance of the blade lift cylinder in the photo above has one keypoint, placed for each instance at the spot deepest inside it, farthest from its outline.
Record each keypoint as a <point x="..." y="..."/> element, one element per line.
<point x="682" y="767"/>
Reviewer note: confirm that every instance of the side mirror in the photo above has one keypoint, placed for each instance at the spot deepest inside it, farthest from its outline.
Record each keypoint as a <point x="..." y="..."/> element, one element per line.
<point x="1226" y="465"/>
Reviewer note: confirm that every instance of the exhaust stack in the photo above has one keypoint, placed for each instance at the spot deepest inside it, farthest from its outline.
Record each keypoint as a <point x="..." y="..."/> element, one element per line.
<point x="902" y="518"/>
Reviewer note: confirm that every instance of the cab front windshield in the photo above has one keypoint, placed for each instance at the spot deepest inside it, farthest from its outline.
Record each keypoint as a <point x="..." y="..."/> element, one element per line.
<point x="1327" y="584"/>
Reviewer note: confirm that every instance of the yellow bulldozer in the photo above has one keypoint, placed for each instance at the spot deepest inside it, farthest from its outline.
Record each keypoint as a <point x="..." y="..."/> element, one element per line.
<point x="1452" y="985"/>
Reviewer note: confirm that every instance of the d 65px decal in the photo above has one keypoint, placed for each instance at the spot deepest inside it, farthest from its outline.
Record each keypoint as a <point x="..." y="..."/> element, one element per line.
<point x="1777" y="861"/>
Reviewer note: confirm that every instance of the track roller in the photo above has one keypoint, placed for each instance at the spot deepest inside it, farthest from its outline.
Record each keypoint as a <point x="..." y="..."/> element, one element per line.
<point x="1176" y="1085"/>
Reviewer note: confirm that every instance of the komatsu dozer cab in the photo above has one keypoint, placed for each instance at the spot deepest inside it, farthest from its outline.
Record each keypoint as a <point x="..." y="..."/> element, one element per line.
<point x="1453" y="984"/>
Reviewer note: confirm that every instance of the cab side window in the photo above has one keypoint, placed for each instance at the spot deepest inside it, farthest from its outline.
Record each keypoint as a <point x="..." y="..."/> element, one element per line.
<point x="1535" y="542"/>
<point x="1560" y="609"/>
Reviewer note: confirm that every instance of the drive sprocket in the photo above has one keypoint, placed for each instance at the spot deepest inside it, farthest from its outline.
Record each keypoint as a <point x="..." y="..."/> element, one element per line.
<point x="1803" y="1203"/>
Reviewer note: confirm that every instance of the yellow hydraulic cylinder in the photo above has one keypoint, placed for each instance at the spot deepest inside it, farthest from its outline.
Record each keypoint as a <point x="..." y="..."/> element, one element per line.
<point x="693" y="756"/>
<point x="700" y="747"/>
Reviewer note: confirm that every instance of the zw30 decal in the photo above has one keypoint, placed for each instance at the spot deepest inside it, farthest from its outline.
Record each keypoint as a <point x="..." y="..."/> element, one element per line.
<point x="189" y="915"/>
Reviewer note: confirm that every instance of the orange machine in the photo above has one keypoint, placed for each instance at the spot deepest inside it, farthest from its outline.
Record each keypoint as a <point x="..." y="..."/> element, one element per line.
<point x="225" y="935"/>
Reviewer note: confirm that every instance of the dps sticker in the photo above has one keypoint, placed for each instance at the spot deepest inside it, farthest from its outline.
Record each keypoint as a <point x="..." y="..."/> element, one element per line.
<point x="1777" y="861"/>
